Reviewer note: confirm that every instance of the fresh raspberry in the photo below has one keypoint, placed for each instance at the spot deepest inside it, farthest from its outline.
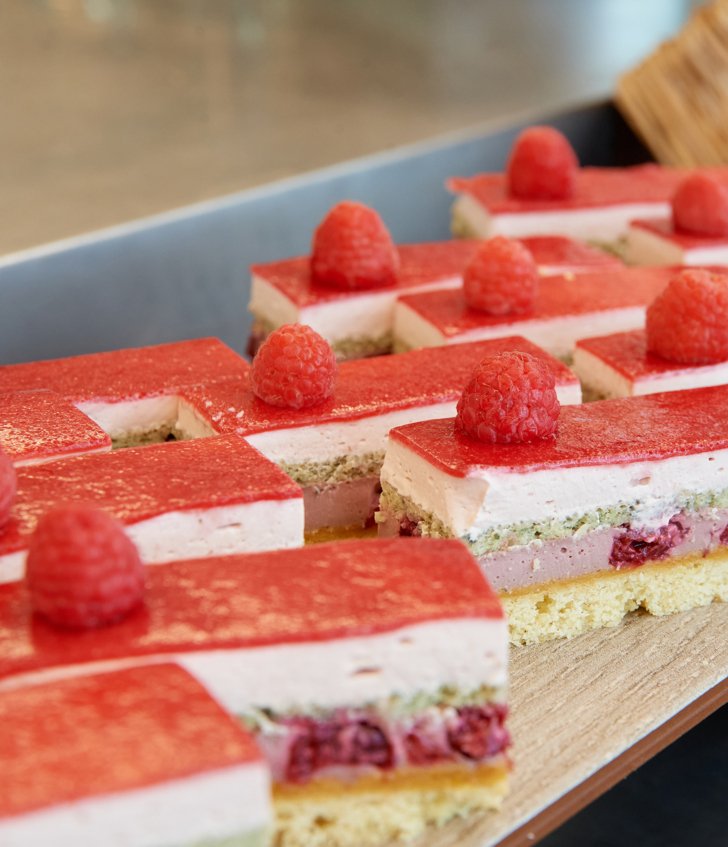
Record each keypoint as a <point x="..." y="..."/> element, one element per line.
<point x="8" y="486"/>
<point x="501" y="278"/>
<point x="700" y="206"/>
<point x="511" y="398"/>
<point x="688" y="321"/>
<point x="542" y="165"/>
<point x="295" y="368"/>
<point x="352" y="249"/>
<point x="83" y="570"/>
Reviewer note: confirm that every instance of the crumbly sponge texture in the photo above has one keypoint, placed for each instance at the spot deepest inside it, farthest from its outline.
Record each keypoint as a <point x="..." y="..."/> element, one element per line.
<point x="565" y="609"/>
<point x="380" y="811"/>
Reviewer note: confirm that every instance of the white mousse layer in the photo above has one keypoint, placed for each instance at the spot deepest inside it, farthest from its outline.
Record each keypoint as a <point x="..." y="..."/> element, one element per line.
<point x="490" y="498"/>
<point x="197" y="533"/>
<point x="367" y="315"/>
<point x="287" y="678"/>
<point x="212" y="806"/>
<point x="648" y="248"/>
<point x="605" y="223"/>
<point x="133" y="417"/>
<point x="598" y="375"/>
<point x="556" y="335"/>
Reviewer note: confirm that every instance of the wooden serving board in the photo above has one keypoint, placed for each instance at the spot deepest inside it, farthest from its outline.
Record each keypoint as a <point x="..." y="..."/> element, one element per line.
<point x="587" y="712"/>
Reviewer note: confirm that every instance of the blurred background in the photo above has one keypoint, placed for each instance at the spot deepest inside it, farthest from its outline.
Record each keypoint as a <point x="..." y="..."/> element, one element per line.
<point x="116" y="109"/>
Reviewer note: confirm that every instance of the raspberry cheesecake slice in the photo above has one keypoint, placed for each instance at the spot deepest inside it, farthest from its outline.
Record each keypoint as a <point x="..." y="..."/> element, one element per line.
<point x="563" y="311"/>
<point x="131" y="394"/>
<point x="142" y="757"/>
<point x="198" y="498"/>
<point x="357" y="321"/>
<point x="625" y="507"/>
<point x="334" y="449"/>
<point x="40" y="426"/>
<point x="377" y="696"/>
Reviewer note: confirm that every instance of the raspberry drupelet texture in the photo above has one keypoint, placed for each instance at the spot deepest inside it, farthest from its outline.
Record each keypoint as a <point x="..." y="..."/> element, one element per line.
<point x="8" y="486"/>
<point x="688" y="321"/>
<point x="700" y="206"/>
<point x="294" y="368"/>
<point x="510" y="399"/>
<point x="542" y="165"/>
<point x="501" y="278"/>
<point x="83" y="570"/>
<point x="353" y="249"/>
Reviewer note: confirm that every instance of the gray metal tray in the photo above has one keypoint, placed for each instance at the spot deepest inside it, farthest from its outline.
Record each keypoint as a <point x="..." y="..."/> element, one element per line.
<point x="184" y="274"/>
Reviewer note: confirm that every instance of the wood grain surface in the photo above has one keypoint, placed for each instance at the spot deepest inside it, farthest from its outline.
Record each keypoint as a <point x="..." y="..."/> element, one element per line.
<point x="586" y="712"/>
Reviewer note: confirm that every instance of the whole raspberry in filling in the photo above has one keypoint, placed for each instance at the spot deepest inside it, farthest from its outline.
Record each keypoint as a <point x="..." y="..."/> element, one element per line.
<point x="501" y="278"/>
<point x="700" y="206"/>
<point x="688" y="321"/>
<point x="294" y="368"/>
<point x="478" y="732"/>
<point x="83" y="570"/>
<point x="635" y="547"/>
<point x="542" y="165"/>
<point x="8" y="486"/>
<point x="511" y="398"/>
<point x="352" y="249"/>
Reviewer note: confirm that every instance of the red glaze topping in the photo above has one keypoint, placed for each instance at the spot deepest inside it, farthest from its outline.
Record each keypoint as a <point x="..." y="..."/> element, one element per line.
<point x="365" y="387"/>
<point x="429" y="265"/>
<point x="594" y="188"/>
<point x="128" y="374"/>
<point x="663" y="228"/>
<point x="40" y="425"/>
<point x="316" y="593"/>
<point x="558" y="296"/>
<point x="84" y="737"/>
<point x="627" y="354"/>
<point x="610" y="432"/>
<point x="142" y="482"/>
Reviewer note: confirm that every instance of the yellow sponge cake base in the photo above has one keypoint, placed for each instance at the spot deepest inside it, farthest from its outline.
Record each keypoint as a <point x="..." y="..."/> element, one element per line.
<point x="562" y="609"/>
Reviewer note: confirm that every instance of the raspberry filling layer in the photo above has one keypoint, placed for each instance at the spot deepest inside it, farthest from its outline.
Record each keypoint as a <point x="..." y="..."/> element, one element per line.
<point x="299" y="748"/>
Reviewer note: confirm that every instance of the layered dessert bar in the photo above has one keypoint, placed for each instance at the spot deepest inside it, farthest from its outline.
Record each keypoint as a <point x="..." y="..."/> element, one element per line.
<point x="564" y="310"/>
<point x="626" y="507"/>
<point x="358" y="322"/>
<point x="200" y="498"/>
<point x="334" y="450"/>
<point x="377" y="696"/>
<point x="40" y="426"/>
<point x="142" y="757"/>
<point x="131" y="394"/>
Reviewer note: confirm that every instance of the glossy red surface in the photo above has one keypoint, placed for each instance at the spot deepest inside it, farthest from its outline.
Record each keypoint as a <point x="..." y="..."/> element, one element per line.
<point x="626" y="353"/>
<point x="609" y="432"/>
<point x="94" y="735"/>
<point x="128" y="374"/>
<point x="142" y="482"/>
<point x="364" y="387"/>
<point x="316" y="593"/>
<point x="40" y="424"/>
<point x="558" y="296"/>
<point x="423" y="265"/>
<point x="595" y="187"/>
<point x="663" y="228"/>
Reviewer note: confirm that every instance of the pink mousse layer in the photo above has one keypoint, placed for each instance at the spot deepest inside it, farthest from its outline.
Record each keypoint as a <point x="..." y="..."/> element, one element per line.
<point x="37" y="426"/>
<point x="351" y="741"/>
<point x="343" y="504"/>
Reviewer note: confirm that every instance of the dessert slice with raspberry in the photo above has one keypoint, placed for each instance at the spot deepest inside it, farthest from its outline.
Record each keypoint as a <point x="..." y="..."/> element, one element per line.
<point x="131" y="394"/>
<point x="685" y="344"/>
<point x="545" y="192"/>
<point x="697" y="232"/>
<point x="376" y="695"/>
<point x="577" y="517"/>
<point x="501" y="296"/>
<point x="346" y="289"/>
<point x="40" y="426"/>
<point x="326" y="426"/>
<point x="196" y="498"/>
<point x="142" y="757"/>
